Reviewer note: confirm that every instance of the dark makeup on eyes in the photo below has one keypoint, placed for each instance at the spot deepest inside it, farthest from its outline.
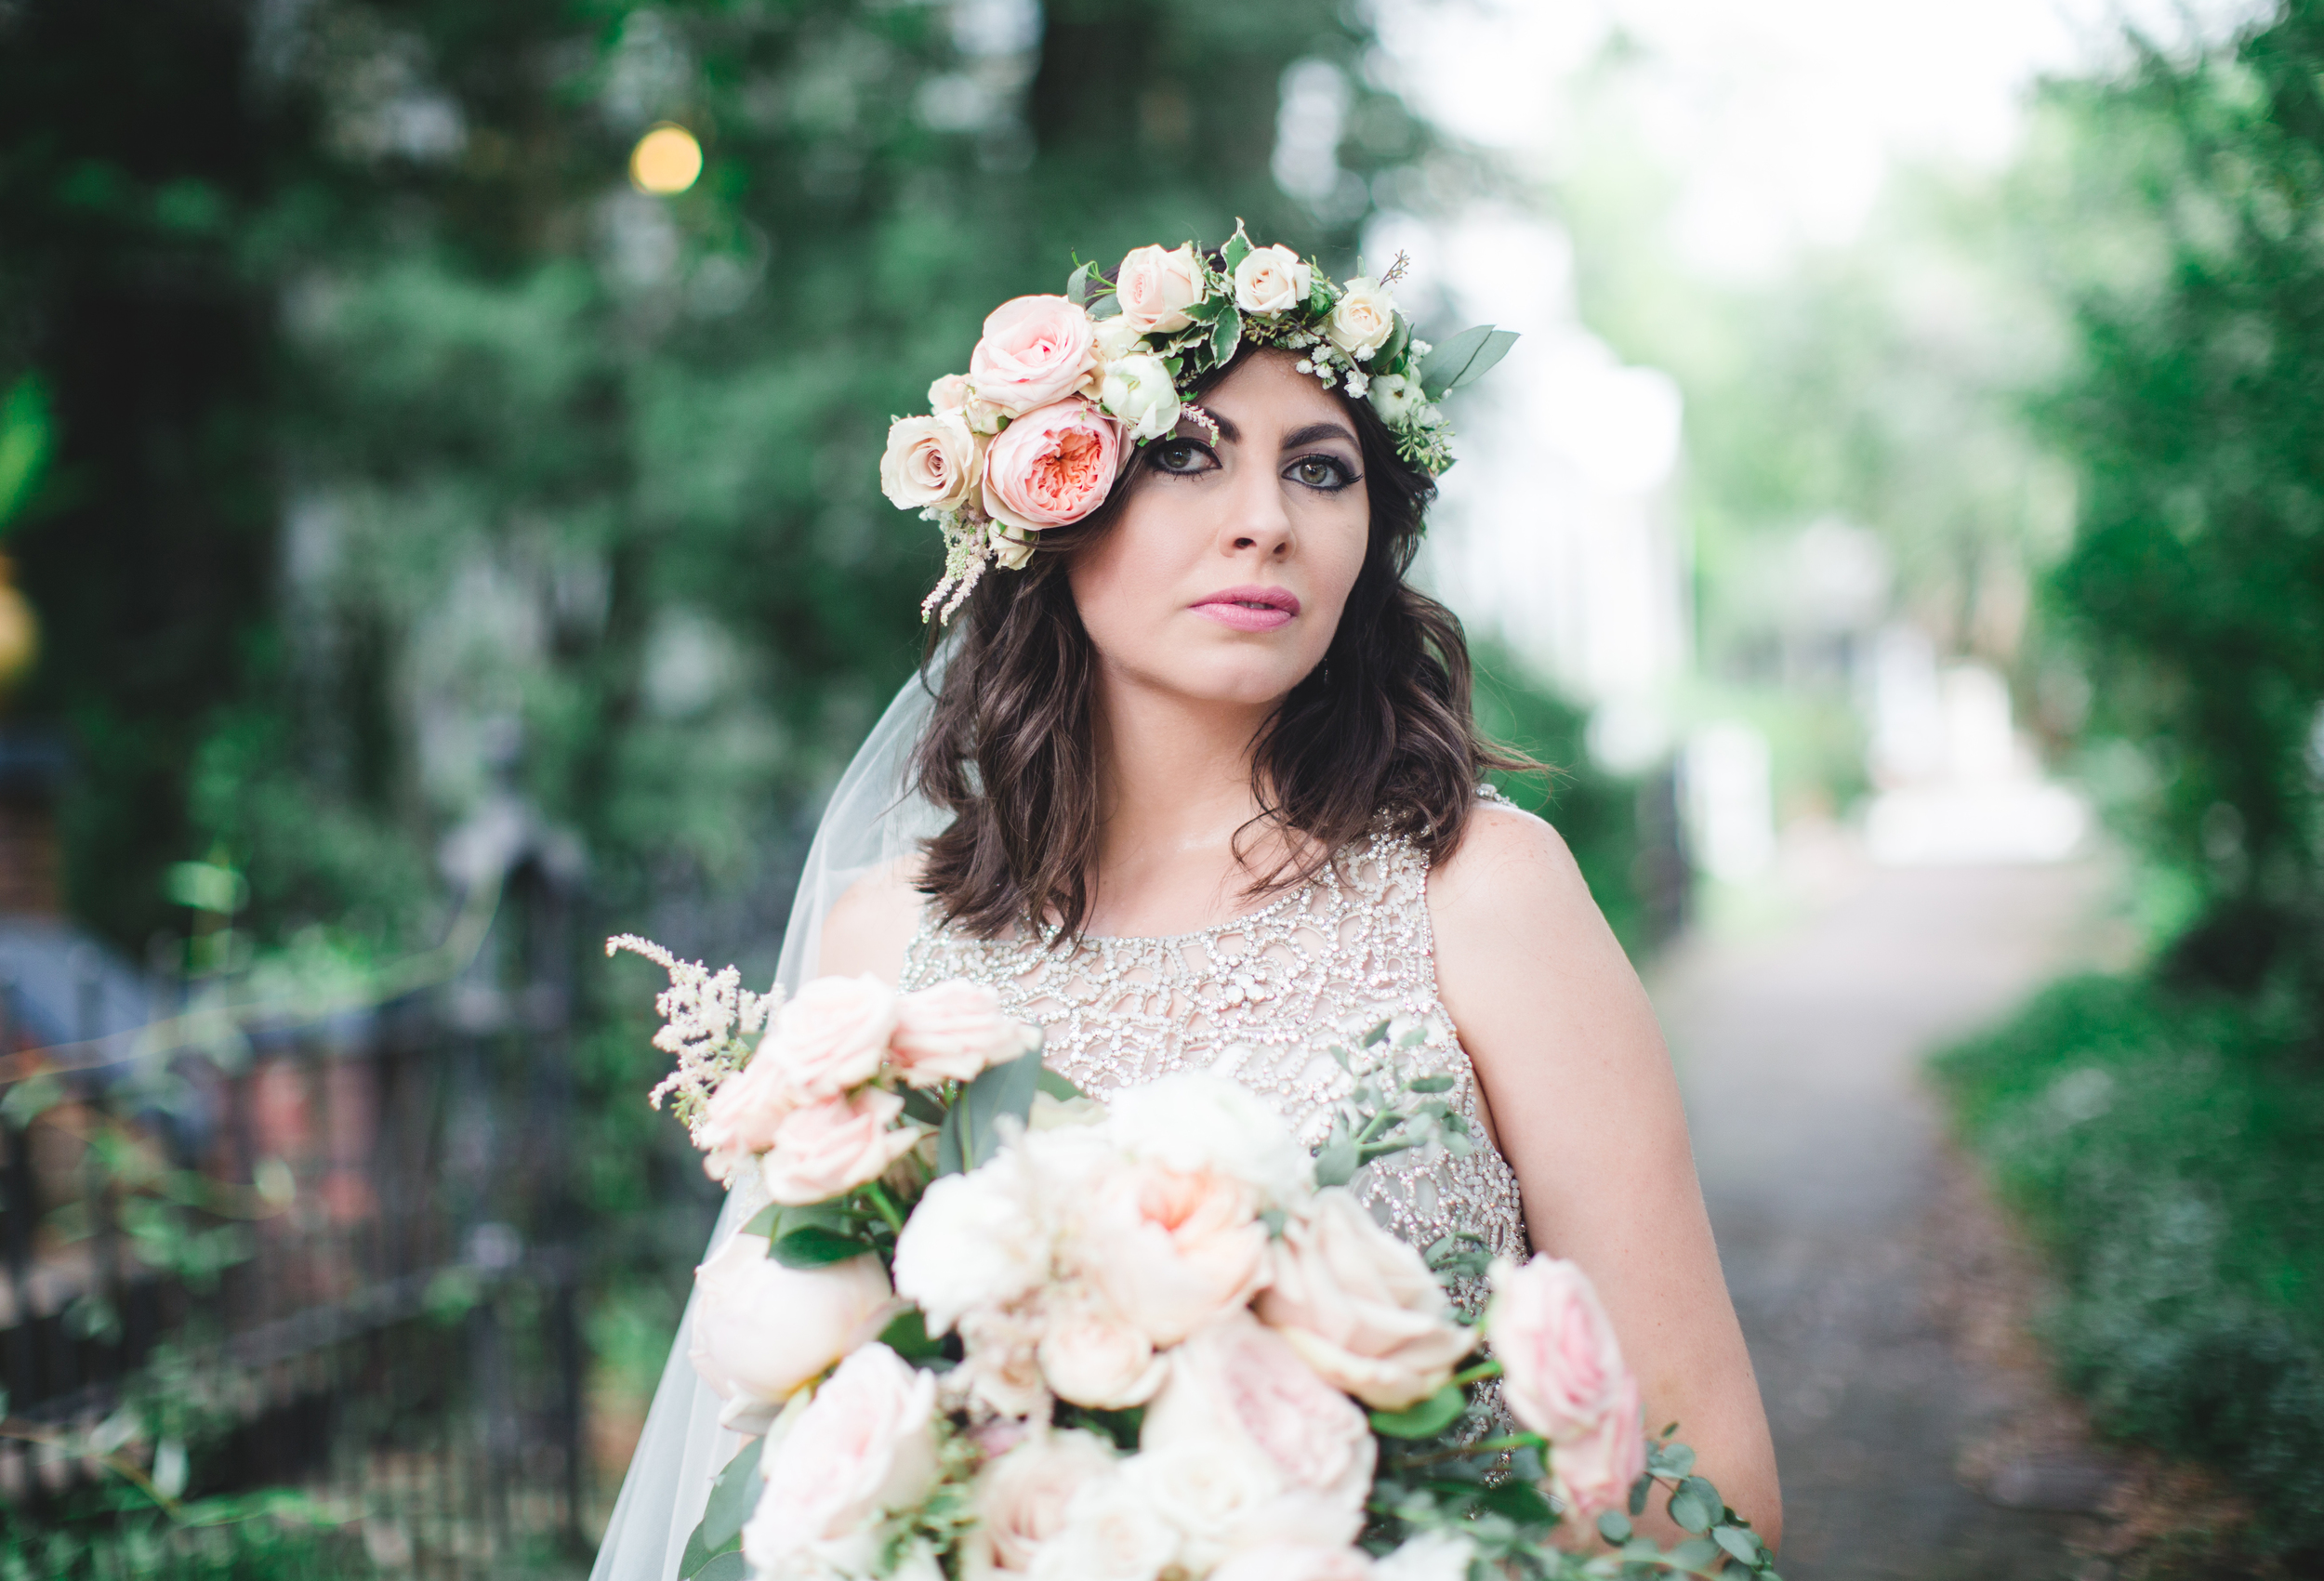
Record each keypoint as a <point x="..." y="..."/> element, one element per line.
<point x="1312" y="433"/>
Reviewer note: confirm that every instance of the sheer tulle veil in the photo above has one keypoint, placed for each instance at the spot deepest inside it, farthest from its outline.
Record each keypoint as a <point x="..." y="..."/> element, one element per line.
<point x="872" y="820"/>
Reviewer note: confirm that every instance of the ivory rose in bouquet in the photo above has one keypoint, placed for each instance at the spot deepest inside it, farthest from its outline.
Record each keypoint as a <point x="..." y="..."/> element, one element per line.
<point x="1034" y="350"/>
<point x="864" y="1448"/>
<point x="762" y="1330"/>
<point x="1361" y="1307"/>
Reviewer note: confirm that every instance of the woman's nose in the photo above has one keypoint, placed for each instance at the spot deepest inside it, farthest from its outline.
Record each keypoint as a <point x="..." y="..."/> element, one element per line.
<point x="1257" y="518"/>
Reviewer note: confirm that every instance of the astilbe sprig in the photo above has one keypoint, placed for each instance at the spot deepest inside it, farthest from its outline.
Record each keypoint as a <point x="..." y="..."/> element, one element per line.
<point x="710" y="1024"/>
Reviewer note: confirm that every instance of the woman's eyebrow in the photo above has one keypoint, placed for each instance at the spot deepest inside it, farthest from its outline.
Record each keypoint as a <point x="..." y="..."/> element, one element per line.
<point x="1315" y="432"/>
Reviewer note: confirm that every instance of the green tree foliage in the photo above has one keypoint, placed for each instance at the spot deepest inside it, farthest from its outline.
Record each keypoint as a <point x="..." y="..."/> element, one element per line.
<point x="2195" y="413"/>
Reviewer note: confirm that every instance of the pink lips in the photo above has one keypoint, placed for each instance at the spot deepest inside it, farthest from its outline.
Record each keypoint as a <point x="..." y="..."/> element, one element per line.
<point x="1249" y="609"/>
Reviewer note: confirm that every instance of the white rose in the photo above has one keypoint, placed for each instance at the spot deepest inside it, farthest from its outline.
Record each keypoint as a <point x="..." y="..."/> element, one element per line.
<point x="976" y="1240"/>
<point x="1363" y="319"/>
<point x="1091" y="1357"/>
<point x="1302" y="1452"/>
<point x="1021" y="1499"/>
<point x="1002" y="1369"/>
<point x="1296" y="1561"/>
<point x="1195" y="1120"/>
<point x="1431" y="1556"/>
<point x="1271" y="280"/>
<point x="930" y="462"/>
<point x="1139" y="390"/>
<point x="1361" y="1307"/>
<point x="1010" y="552"/>
<point x="1156" y="287"/>
<point x="1117" y="338"/>
<point x="1398" y="400"/>
<point x="762" y="1330"/>
<point x="865" y="1446"/>
<point x="1112" y="1532"/>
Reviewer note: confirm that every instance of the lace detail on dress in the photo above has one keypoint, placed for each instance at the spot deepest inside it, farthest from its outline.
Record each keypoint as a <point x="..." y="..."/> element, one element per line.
<point x="1262" y="998"/>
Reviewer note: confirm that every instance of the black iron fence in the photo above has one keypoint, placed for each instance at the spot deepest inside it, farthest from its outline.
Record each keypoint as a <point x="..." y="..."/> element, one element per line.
<point x="332" y="1251"/>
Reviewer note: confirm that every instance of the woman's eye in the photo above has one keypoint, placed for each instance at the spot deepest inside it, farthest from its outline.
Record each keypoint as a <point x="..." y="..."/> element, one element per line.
<point x="1180" y="455"/>
<point x="1322" y="472"/>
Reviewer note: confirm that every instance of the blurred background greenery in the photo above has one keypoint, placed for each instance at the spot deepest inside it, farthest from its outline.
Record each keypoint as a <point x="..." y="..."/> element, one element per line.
<point x="376" y="443"/>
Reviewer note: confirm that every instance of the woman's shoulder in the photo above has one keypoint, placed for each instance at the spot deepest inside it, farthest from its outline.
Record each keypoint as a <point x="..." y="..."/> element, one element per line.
<point x="1510" y="869"/>
<point x="870" y="927"/>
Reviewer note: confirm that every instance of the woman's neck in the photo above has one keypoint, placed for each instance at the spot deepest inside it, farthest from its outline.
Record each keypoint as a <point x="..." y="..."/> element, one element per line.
<point x="1175" y="776"/>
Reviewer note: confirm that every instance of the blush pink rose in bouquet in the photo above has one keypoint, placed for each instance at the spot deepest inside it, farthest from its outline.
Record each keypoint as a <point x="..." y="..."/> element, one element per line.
<point x="950" y="1033"/>
<point x="1089" y="1355"/>
<point x="1560" y="1367"/>
<point x="828" y="1149"/>
<point x="1021" y="1498"/>
<point x="1053" y="466"/>
<point x="1172" y="1249"/>
<point x="1155" y="285"/>
<point x="832" y="1036"/>
<point x="762" y="1330"/>
<point x="864" y="1446"/>
<point x="1591" y="1471"/>
<point x="1360" y="1307"/>
<point x="744" y="1114"/>
<point x="1034" y="350"/>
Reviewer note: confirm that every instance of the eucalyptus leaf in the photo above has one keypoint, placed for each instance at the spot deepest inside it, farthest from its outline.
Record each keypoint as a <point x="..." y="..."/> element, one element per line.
<point x="732" y="1497"/>
<point x="1638" y="1492"/>
<point x="1430" y="1084"/>
<point x="763" y="1221"/>
<point x="1695" y="1506"/>
<point x="1466" y="357"/>
<point x="972" y="1132"/>
<point x="1336" y="1163"/>
<point x="1058" y="1086"/>
<point x="1226" y="337"/>
<point x="1615" y="1527"/>
<point x="728" y="1566"/>
<point x="1426" y="1419"/>
<point x="1671" y="1460"/>
<point x="1743" y="1545"/>
<point x="1377" y="1035"/>
<point x="1697" y="1553"/>
<point x="812" y="1246"/>
<point x="923" y="1107"/>
<point x="1105" y="306"/>
<point x="1078" y="286"/>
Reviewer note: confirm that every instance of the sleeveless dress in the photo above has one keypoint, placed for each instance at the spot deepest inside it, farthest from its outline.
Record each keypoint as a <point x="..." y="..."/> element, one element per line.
<point x="1264" y="999"/>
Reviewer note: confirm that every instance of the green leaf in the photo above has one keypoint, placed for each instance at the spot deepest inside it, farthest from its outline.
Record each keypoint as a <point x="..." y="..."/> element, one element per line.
<point x="764" y="1222"/>
<point x="1384" y="360"/>
<point x="1209" y="309"/>
<point x="1378" y="1035"/>
<point x="1337" y="1161"/>
<point x="1466" y="357"/>
<point x="923" y="1107"/>
<point x="1615" y="1527"/>
<point x="27" y="433"/>
<point x="1228" y="336"/>
<point x="1106" y="307"/>
<point x="1431" y="1084"/>
<point x="1671" y="1460"/>
<point x="1638" y="1492"/>
<point x="1426" y="1419"/>
<point x="1695" y="1506"/>
<point x="1237" y="248"/>
<point x="1697" y="1553"/>
<point x="1078" y="286"/>
<point x="1521" y="1502"/>
<point x="813" y="1246"/>
<point x="728" y="1566"/>
<point x="971" y="1134"/>
<point x="732" y="1497"/>
<point x="1743" y="1545"/>
<point x="907" y="1334"/>
<point x="1058" y="1086"/>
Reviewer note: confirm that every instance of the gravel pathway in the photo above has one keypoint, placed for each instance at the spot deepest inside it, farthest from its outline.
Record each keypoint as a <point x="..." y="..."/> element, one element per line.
<point x="1839" y="1212"/>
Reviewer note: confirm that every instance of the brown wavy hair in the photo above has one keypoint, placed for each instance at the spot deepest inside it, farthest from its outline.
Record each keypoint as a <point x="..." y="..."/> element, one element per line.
<point x="1381" y="731"/>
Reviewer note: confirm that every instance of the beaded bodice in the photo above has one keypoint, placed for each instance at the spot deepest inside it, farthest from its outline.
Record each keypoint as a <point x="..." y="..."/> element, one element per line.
<point x="1264" y="999"/>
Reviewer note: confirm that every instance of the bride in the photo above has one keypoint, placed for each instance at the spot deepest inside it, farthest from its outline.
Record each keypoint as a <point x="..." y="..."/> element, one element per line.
<point x="1200" y="786"/>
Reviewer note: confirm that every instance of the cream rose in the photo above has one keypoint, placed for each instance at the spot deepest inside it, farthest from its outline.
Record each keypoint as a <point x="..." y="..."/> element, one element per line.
<point x="1239" y="1398"/>
<point x="1172" y="1249"/>
<point x="1002" y="1369"/>
<point x="976" y="1240"/>
<point x="1361" y="320"/>
<point x="950" y="393"/>
<point x="832" y="1034"/>
<point x="1155" y="285"/>
<point x="744" y="1114"/>
<point x="1053" y="466"/>
<point x="1112" y="1532"/>
<point x="930" y="463"/>
<point x="1431" y="1556"/>
<point x="1271" y="280"/>
<point x="1197" y="1120"/>
<point x="865" y="1446"/>
<point x="1117" y="338"/>
<point x="1398" y="400"/>
<point x="1361" y="1307"/>
<point x="951" y="1032"/>
<point x="1296" y="1561"/>
<point x="1021" y="1499"/>
<point x="1592" y="1469"/>
<point x="1091" y="1357"/>
<point x="1139" y="390"/>
<point x="762" y="1330"/>
<point x="828" y="1149"/>
<point x="1034" y="350"/>
<point x="1560" y="1367"/>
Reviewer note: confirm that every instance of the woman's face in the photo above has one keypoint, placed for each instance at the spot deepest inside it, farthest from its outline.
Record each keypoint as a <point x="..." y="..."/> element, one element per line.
<point x="1225" y="576"/>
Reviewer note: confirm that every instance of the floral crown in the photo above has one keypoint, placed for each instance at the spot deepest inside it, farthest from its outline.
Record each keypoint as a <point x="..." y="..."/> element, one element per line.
<point x="1032" y="436"/>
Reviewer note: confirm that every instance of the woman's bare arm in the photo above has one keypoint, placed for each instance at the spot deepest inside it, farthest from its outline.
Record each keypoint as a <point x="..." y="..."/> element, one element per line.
<point x="1586" y="1108"/>
<point x="869" y="928"/>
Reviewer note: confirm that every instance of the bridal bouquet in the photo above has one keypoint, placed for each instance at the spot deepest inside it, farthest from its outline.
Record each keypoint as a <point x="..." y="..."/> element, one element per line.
<point x="986" y="1327"/>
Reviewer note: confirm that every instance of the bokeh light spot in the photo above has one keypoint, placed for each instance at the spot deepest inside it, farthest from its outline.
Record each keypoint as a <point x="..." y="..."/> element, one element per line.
<point x="666" y="160"/>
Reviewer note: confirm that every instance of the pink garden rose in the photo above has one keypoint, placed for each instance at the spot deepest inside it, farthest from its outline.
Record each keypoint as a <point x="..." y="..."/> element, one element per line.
<point x="951" y="1032"/>
<point x="1034" y="350"/>
<point x="1593" y="1471"/>
<point x="1360" y="1307"/>
<point x="761" y="1330"/>
<point x="1053" y="466"/>
<point x="1562" y="1371"/>
<point x="830" y="1147"/>
<point x="832" y="1036"/>
<point x="1155" y="285"/>
<point x="1171" y="1249"/>
<point x="864" y="1446"/>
